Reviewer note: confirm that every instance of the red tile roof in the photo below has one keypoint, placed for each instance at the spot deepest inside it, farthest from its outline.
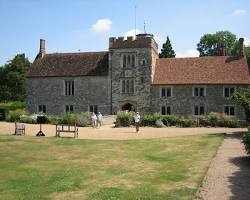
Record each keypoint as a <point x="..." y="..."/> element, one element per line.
<point x="70" y="64"/>
<point x="202" y="70"/>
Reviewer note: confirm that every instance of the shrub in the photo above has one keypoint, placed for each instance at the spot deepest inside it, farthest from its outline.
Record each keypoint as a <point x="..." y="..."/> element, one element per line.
<point x="214" y="118"/>
<point x="28" y="119"/>
<point x="83" y="119"/>
<point x="124" y="118"/>
<point x="13" y="105"/>
<point x="51" y="119"/>
<point x="67" y="118"/>
<point x="188" y="123"/>
<point x="14" y="115"/>
<point x="170" y="120"/>
<point x="246" y="141"/>
<point x="149" y="120"/>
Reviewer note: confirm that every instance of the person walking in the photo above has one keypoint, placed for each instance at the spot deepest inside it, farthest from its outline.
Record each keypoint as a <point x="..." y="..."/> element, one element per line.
<point x="94" y="120"/>
<point x="99" y="120"/>
<point x="137" y="119"/>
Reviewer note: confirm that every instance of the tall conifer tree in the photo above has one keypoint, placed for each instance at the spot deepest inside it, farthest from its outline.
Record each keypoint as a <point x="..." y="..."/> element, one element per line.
<point x="167" y="50"/>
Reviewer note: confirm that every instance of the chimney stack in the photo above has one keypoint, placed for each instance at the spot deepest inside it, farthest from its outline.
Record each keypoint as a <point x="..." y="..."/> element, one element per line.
<point x="241" y="42"/>
<point x="42" y="48"/>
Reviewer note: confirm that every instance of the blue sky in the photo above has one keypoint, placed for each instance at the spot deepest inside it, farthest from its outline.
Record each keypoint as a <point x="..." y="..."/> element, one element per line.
<point x="86" y="25"/>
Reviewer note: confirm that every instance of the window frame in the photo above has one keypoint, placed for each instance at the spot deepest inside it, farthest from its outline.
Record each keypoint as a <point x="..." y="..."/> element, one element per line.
<point x="230" y="87"/>
<point x="199" y="87"/>
<point x="165" y="88"/>
<point x="229" y="106"/>
<point x="43" y="108"/>
<point x="166" y="109"/>
<point x="69" y="109"/>
<point x="69" y="87"/>
<point x="199" y="110"/>
<point x="127" y="86"/>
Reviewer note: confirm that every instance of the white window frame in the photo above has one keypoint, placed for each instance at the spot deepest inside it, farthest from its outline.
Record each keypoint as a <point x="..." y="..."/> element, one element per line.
<point x="229" y="105"/>
<point x="199" y="111"/>
<point x="199" y="86"/>
<point x="171" y="109"/>
<point x="166" y="87"/>
<point x="69" y="108"/>
<point x="72" y="88"/>
<point x="227" y="86"/>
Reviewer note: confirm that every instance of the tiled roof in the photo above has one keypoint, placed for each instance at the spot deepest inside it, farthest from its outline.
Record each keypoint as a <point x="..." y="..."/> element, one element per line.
<point x="70" y="64"/>
<point x="202" y="70"/>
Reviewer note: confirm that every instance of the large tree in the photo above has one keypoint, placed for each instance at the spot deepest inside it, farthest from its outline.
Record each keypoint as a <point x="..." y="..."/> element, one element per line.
<point x="13" y="77"/>
<point x="167" y="50"/>
<point x="210" y="43"/>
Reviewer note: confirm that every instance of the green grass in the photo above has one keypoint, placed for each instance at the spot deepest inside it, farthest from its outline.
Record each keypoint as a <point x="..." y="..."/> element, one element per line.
<point x="62" y="168"/>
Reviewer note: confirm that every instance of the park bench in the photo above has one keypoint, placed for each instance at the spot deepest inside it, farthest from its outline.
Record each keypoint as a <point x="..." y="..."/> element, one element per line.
<point x="64" y="128"/>
<point x="19" y="129"/>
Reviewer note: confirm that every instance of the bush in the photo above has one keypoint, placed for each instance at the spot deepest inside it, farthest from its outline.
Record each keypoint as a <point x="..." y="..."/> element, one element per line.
<point x="188" y="123"/>
<point x="124" y="118"/>
<point x="170" y="120"/>
<point x="83" y="119"/>
<point x="214" y="118"/>
<point x="51" y="119"/>
<point x="67" y="118"/>
<point x="13" y="105"/>
<point x="28" y="119"/>
<point x="246" y="141"/>
<point x="149" y="120"/>
<point x="14" y="115"/>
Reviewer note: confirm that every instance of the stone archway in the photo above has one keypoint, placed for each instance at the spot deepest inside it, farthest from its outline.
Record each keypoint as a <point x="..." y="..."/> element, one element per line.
<point x="128" y="107"/>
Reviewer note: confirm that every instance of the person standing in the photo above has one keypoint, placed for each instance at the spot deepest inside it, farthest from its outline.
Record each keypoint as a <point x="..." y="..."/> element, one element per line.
<point x="137" y="119"/>
<point x="94" y="120"/>
<point x="99" y="120"/>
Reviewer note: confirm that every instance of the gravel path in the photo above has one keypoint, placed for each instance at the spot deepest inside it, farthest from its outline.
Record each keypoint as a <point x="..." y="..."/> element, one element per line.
<point x="108" y="133"/>
<point x="228" y="177"/>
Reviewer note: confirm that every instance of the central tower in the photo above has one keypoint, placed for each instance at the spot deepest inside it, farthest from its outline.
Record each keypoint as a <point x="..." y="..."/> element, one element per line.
<point x="131" y="68"/>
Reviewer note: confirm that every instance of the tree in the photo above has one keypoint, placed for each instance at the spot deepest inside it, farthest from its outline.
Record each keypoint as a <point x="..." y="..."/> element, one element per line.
<point x="242" y="97"/>
<point x="13" y="78"/>
<point x="209" y="43"/>
<point x="167" y="50"/>
<point x="247" y="53"/>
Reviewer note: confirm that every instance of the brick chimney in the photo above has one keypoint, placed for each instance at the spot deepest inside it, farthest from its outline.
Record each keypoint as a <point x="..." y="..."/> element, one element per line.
<point x="42" y="48"/>
<point x="241" y="43"/>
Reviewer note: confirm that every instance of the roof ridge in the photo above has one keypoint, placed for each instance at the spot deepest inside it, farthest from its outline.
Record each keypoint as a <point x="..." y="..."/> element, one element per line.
<point x="70" y="53"/>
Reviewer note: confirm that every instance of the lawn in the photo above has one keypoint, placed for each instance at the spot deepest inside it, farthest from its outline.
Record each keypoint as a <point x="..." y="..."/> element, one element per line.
<point x="63" y="168"/>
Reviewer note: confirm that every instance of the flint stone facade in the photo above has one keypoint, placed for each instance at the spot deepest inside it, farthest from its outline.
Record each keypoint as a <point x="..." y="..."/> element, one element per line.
<point x="129" y="77"/>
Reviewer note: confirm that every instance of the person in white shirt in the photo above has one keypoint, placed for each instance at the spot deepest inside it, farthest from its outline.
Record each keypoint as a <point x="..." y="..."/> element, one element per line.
<point x="137" y="119"/>
<point x="99" y="120"/>
<point x="93" y="119"/>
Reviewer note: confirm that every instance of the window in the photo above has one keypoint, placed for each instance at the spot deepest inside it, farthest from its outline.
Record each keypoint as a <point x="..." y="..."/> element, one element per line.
<point x="199" y="110"/>
<point x="69" y="108"/>
<point x="42" y="108"/>
<point x="69" y="88"/>
<point x="229" y="110"/>
<point x="127" y="86"/>
<point x="228" y="91"/>
<point x="166" y="110"/>
<point x="166" y="92"/>
<point x="199" y="92"/>
<point x="128" y="61"/>
<point x="93" y="108"/>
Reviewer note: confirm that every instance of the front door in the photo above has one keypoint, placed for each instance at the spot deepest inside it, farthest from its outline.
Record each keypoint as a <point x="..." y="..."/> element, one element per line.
<point x="128" y="107"/>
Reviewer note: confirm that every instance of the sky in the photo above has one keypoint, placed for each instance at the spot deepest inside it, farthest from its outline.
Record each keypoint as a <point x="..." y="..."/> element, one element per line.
<point x="86" y="25"/>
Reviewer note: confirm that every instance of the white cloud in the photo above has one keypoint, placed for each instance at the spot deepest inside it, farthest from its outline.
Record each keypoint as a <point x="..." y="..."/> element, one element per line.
<point x="239" y="12"/>
<point x="188" y="53"/>
<point x="102" y="25"/>
<point x="132" y="32"/>
<point x="246" y="41"/>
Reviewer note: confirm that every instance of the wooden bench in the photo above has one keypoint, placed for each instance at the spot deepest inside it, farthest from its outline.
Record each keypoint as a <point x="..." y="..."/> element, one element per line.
<point x="63" y="128"/>
<point x="19" y="129"/>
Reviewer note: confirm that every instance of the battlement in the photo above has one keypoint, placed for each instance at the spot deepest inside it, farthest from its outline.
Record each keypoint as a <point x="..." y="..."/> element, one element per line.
<point x="140" y="41"/>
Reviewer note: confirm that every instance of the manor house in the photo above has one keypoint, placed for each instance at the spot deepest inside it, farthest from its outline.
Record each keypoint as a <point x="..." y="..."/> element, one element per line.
<point x="130" y="76"/>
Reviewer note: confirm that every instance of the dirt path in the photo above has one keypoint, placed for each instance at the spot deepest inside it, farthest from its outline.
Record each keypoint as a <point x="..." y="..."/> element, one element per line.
<point x="107" y="132"/>
<point x="228" y="177"/>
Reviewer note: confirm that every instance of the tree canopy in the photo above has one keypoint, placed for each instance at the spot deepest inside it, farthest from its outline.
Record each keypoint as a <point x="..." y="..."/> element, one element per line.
<point x="209" y="44"/>
<point x="167" y="50"/>
<point x="13" y="77"/>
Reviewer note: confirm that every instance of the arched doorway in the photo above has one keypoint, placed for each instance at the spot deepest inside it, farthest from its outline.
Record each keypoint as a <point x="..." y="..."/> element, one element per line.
<point x="128" y="106"/>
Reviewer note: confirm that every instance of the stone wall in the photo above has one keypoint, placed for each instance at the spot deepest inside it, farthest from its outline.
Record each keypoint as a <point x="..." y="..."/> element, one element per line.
<point x="141" y="73"/>
<point x="50" y="91"/>
<point x="183" y="101"/>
